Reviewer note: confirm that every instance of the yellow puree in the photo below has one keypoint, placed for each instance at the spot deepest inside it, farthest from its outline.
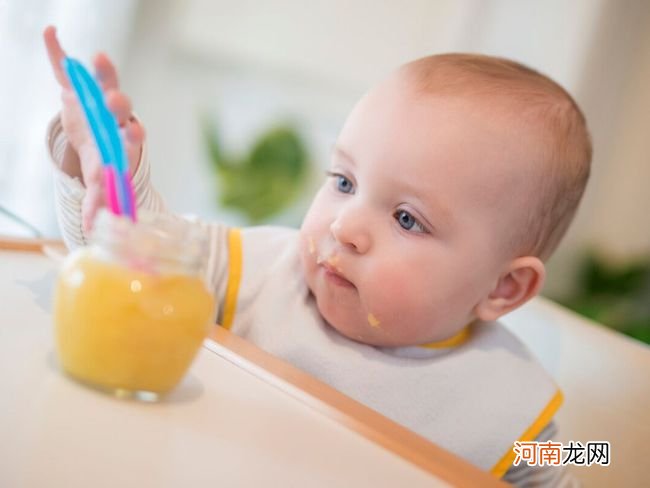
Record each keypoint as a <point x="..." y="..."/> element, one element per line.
<point x="118" y="328"/>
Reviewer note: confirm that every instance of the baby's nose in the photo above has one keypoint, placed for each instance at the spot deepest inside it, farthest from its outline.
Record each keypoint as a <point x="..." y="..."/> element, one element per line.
<point x="350" y="234"/>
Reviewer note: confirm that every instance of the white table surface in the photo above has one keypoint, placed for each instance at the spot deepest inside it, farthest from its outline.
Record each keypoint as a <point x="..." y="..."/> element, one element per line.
<point x="223" y="426"/>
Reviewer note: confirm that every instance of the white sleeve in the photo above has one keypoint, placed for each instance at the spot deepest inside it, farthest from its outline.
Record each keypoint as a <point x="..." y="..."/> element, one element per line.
<point x="69" y="192"/>
<point x="525" y="476"/>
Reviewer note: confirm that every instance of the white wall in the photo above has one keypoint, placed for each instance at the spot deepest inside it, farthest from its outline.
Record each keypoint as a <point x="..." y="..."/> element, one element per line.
<point x="30" y="97"/>
<point x="613" y="91"/>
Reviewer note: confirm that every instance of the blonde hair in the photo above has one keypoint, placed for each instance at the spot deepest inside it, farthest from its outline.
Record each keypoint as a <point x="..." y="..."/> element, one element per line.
<point x="566" y="157"/>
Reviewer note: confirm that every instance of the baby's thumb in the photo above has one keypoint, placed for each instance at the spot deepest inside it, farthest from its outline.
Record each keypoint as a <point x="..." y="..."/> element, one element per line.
<point x="133" y="138"/>
<point x="92" y="202"/>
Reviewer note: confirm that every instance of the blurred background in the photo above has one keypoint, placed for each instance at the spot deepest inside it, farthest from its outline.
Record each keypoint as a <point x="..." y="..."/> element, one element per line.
<point x="242" y="102"/>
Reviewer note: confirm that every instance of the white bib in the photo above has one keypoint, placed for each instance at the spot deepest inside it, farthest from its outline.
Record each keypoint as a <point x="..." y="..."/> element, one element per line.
<point x="475" y="399"/>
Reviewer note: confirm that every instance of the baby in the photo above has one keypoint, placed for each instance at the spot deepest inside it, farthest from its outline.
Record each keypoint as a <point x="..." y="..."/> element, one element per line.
<point x="450" y="184"/>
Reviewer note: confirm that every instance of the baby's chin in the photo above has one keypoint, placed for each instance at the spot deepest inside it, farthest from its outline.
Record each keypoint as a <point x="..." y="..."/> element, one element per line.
<point x="350" y="324"/>
<point x="356" y="334"/>
<point x="337" y="320"/>
<point x="354" y="329"/>
<point x="366" y="336"/>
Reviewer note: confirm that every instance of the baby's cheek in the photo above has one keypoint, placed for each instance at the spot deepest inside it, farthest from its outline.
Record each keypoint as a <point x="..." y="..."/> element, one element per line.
<point x="392" y="294"/>
<point x="404" y="306"/>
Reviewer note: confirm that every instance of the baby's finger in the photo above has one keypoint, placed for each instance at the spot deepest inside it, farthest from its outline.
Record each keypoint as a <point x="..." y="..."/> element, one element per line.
<point x="106" y="73"/>
<point x="93" y="201"/>
<point x="133" y="137"/>
<point x="134" y="132"/>
<point x="68" y="97"/>
<point x="119" y="104"/>
<point x="56" y="55"/>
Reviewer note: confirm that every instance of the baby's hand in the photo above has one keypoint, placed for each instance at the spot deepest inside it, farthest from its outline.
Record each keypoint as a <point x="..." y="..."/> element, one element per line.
<point x="77" y="131"/>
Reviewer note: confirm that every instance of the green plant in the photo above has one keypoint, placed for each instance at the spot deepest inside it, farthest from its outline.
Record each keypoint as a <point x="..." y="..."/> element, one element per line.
<point x="267" y="179"/>
<point x="615" y="295"/>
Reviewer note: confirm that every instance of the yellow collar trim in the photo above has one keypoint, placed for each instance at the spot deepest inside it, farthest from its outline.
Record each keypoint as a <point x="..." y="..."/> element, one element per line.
<point x="234" y="277"/>
<point x="453" y="341"/>
<point x="540" y="423"/>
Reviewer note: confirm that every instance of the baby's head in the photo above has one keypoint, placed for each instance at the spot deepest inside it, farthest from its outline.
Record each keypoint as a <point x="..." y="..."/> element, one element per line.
<point x="450" y="185"/>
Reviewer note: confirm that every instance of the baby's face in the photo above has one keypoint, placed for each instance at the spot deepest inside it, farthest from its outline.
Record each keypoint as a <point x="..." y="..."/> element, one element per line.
<point x="404" y="238"/>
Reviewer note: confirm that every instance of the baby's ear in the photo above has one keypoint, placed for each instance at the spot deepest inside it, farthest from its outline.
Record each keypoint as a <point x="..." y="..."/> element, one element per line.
<point x="522" y="280"/>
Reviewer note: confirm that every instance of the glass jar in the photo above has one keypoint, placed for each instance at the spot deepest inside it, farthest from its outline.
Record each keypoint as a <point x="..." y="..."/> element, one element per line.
<point x="132" y="309"/>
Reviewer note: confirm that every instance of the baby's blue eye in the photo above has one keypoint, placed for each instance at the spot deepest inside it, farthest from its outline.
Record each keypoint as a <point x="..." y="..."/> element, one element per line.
<point x="408" y="222"/>
<point x="343" y="184"/>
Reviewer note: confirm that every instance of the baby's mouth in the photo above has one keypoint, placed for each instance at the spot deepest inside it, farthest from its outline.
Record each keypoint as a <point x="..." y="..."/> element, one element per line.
<point x="330" y="265"/>
<point x="336" y="277"/>
<point x="333" y="272"/>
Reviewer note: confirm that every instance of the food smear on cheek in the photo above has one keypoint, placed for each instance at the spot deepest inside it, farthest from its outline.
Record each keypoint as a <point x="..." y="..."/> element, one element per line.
<point x="312" y="246"/>
<point x="333" y="262"/>
<point x="372" y="320"/>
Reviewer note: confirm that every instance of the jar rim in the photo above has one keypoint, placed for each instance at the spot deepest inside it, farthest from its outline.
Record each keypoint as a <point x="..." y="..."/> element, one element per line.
<point x="161" y="241"/>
